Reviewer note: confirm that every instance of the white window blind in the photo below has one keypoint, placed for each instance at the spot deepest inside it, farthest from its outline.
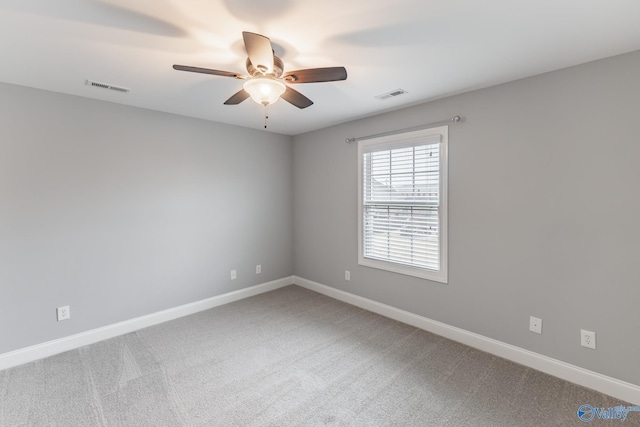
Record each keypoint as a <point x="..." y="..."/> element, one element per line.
<point x="402" y="203"/>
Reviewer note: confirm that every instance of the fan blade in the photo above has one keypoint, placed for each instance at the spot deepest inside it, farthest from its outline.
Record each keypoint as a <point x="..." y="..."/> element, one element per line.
<point x="316" y="75"/>
<point x="208" y="71"/>
<point x="259" y="50"/>
<point x="294" y="97"/>
<point x="237" y="97"/>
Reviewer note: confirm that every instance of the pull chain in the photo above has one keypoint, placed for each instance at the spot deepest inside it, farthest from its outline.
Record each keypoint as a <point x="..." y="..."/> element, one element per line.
<point x="266" y="115"/>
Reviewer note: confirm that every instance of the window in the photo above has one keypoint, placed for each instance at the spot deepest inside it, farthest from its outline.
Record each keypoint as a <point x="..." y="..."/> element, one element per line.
<point x="402" y="192"/>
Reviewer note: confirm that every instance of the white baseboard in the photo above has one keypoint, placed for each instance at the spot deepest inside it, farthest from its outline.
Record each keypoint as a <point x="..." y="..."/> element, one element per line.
<point x="50" y="348"/>
<point x="584" y="377"/>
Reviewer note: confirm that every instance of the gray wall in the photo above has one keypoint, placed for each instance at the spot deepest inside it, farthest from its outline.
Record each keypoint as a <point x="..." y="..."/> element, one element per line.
<point x="544" y="209"/>
<point x="121" y="212"/>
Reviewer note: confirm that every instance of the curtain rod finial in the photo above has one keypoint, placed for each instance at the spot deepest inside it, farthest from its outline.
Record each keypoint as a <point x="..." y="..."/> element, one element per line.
<point x="349" y="140"/>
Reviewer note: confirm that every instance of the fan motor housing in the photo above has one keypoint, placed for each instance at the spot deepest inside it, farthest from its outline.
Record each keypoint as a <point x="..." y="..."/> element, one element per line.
<point x="278" y="68"/>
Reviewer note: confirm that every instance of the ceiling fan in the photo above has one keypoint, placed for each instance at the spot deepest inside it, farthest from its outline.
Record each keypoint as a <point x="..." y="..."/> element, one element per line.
<point x="266" y="82"/>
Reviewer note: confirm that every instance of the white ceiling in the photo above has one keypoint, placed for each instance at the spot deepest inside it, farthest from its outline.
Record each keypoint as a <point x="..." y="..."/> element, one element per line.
<point x="430" y="48"/>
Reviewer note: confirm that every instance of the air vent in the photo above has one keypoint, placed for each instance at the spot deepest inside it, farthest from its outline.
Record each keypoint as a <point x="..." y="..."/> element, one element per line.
<point x="108" y="86"/>
<point x="391" y="94"/>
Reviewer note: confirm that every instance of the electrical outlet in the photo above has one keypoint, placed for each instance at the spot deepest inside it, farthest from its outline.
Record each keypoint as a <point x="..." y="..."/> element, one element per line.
<point x="588" y="339"/>
<point x="258" y="269"/>
<point x="347" y="275"/>
<point x="63" y="313"/>
<point x="233" y="275"/>
<point x="535" y="325"/>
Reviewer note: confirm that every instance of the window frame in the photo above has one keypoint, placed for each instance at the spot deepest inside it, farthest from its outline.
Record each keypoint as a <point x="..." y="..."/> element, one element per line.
<point x="401" y="140"/>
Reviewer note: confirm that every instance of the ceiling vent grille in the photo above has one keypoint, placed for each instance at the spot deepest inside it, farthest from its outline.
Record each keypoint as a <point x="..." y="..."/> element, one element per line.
<point x="108" y="86"/>
<point x="391" y="94"/>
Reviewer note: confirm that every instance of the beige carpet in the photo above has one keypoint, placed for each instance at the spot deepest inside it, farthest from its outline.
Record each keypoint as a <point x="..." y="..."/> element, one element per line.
<point x="290" y="357"/>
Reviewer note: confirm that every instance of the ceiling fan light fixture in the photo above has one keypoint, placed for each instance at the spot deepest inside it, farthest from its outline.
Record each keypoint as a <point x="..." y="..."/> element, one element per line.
<point x="264" y="90"/>
<point x="266" y="82"/>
